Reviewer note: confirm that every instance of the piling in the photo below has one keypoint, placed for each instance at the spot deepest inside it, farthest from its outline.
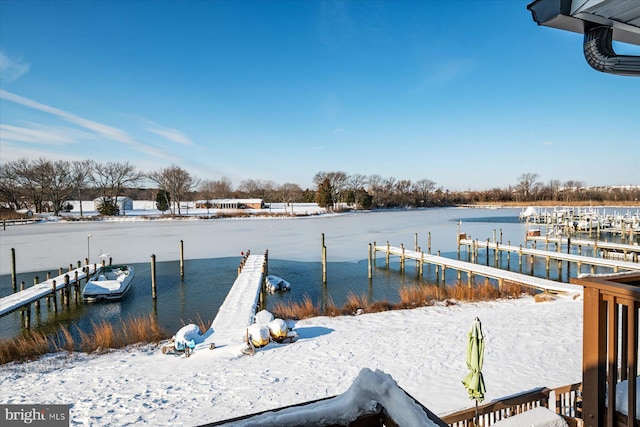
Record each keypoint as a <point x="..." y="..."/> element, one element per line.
<point x="369" y="264"/>
<point x="14" y="283"/>
<point x="36" y="280"/>
<point x="181" y="259"/>
<point x="429" y="243"/>
<point x="154" y="293"/>
<point x="54" y="297"/>
<point x="67" y="291"/>
<point x="402" y="257"/>
<point x="387" y="255"/>
<point x="324" y="261"/>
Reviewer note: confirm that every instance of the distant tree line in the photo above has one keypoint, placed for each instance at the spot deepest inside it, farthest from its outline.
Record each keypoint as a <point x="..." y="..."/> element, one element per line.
<point x="48" y="186"/>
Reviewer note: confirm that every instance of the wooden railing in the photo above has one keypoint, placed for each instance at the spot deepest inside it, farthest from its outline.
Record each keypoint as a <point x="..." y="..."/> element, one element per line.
<point x="610" y="347"/>
<point x="567" y="404"/>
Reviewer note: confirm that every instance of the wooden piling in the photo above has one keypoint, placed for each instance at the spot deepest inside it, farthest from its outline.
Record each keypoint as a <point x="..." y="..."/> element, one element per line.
<point x="36" y="280"/>
<point x="66" y="291"/>
<point x="429" y="243"/>
<point x="76" y="285"/>
<point x="14" y="280"/>
<point x="369" y="263"/>
<point x="387" y="255"/>
<point x="402" y="257"/>
<point x="324" y="261"/>
<point x="154" y="293"/>
<point x="181" y="259"/>
<point x="54" y="297"/>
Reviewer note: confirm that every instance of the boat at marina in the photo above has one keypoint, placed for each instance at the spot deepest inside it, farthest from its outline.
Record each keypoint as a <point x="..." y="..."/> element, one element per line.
<point x="110" y="283"/>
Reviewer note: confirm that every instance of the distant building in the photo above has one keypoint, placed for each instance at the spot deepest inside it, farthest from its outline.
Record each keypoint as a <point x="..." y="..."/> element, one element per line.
<point x="124" y="203"/>
<point x="231" y="204"/>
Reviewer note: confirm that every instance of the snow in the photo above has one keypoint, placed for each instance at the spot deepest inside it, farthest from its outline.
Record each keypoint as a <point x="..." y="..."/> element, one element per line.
<point x="423" y="350"/>
<point x="536" y="417"/>
<point x="528" y="344"/>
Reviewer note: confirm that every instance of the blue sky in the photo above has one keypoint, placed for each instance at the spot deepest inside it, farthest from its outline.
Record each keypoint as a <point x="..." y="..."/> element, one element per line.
<point x="470" y="94"/>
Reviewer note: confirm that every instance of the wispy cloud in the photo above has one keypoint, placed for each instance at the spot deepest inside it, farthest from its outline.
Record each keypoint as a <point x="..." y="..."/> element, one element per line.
<point x="12" y="69"/>
<point x="38" y="134"/>
<point x="172" y="135"/>
<point x="100" y="129"/>
<point x="547" y="142"/>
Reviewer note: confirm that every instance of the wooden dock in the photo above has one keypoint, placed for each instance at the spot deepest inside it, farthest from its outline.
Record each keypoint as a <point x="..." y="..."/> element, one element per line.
<point x="472" y="269"/>
<point x="616" y="265"/>
<point x="239" y="308"/>
<point x="625" y="250"/>
<point x="49" y="288"/>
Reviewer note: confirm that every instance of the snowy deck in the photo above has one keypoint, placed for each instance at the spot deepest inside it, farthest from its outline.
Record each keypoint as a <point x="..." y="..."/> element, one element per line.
<point x="579" y="259"/>
<point x="482" y="270"/>
<point x="15" y="301"/>
<point x="239" y="307"/>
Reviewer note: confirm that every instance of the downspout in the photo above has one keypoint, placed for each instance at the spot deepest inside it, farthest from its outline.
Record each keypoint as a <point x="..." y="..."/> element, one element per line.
<point x="599" y="53"/>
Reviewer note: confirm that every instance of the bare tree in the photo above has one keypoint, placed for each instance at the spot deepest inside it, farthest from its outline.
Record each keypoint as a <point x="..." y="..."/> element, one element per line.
<point x="81" y="172"/>
<point x="289" y="193"/>
<point x="525" y="184"/>
<point x="12" y="194"/>
<point x="111" y="178"/>
<point x="177" y="182"/>
<point x="423" y="187"/>
<point x="337" y="181"/>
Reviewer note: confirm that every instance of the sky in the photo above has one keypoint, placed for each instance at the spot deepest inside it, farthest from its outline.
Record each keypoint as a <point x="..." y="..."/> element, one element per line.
<point x="469" y="94"/>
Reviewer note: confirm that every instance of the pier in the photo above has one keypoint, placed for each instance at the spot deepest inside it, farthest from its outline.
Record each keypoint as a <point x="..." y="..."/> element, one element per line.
<point x="616" y="265"/>
<point x="609" y="249"/>
<point x="472" y="269"/>
<point x="238" y="310"/>
<point x="49" y="289"/>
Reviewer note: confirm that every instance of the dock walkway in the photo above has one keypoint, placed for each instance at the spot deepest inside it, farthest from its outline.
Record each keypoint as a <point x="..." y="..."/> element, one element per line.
<point x="23" y="298"/>
<point x="616" y="265"/>
<point x="476" y="269"/>
<point x="238" y="310"/>
<point x="623" y="248"/>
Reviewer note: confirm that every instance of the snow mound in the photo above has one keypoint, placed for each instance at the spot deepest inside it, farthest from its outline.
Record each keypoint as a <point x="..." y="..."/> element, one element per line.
<point x="369" y="389"/>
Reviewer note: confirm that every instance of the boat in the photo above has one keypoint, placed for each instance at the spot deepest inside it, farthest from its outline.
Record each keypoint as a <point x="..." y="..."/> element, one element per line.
<point x="110" y="283"/>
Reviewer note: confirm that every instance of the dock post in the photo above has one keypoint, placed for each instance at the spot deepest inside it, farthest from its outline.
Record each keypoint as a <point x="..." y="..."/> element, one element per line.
<point x="36" y="280"/>
<point x="181" y="259"/>
<point x="27" y="316"/>
<point x="509" y="256"/>
<point x="76" y="285"/>
<point x="86" y="261"/>
<point x="70" y="267"/>
<point x="369" y="263"/>
<point x="54" y="296"/>
<point x="14" y="281"/>
<point x="429" y="243"/>
<point x="154" y="293"/>
<point x="501" y="236"/>
<point x="387" y="255"/>
<point x="60" y="270"/>
<point x="487" y="251"/>
<point x="494" y="235"/>
<point x="402" y="257"/>
<point x="67" y="291"/>
<point x="496" y="254"/>
<point x="421" y="261"/>
<point x="520" y="259"/>
<point x="547" y="259"/>
<point x="324" y="261"/>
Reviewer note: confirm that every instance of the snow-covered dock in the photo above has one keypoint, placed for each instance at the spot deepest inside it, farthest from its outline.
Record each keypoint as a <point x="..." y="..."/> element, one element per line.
<point x="616" y="265"/>
<point x="23" y="298"/>
<point x="472" y="269"/>
<point x="628" y="251"/>
<point x="238" y="310"/>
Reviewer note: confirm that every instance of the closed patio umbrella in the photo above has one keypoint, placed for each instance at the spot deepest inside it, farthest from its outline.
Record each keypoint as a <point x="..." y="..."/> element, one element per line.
<point x="473" y="381"/>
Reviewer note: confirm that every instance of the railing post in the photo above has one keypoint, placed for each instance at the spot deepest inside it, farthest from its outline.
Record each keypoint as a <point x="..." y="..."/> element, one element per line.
<point x="593" y="358"/>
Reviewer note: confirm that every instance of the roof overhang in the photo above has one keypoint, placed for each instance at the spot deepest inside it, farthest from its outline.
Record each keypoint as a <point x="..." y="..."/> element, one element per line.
<point x="601" y="22"/>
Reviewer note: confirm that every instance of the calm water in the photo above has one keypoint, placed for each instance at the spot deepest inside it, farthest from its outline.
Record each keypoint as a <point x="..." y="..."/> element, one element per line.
<point x="207" y="281"/>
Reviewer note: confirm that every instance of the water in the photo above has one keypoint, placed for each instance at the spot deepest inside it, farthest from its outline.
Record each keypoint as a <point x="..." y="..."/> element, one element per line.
<point x="207" y="281"/>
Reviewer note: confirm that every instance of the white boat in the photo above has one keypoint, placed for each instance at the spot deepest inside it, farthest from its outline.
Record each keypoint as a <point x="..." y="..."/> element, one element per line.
<point x="109" y="283"/>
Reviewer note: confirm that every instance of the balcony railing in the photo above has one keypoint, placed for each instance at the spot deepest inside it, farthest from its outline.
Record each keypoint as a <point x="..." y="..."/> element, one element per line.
<point x="610" y="348"/>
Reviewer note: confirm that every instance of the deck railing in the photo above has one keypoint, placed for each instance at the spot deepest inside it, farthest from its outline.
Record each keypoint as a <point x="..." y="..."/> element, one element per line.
<point x="566" y="399"/>
<point x="610" y="347"/>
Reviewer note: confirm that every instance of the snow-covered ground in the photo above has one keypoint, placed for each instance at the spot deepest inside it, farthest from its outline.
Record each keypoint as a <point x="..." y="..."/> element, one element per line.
<point x="528" y="345"/>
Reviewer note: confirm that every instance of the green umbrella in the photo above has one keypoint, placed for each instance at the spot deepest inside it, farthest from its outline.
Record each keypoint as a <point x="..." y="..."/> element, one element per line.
<point x="473" y="381"/>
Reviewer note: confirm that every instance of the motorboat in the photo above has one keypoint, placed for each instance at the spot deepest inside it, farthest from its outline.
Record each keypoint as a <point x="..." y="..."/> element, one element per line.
<point x="109" y="283"/>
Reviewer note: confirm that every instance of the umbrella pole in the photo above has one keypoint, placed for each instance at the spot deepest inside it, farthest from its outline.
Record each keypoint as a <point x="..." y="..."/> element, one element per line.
<point x="476" y="412"/>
